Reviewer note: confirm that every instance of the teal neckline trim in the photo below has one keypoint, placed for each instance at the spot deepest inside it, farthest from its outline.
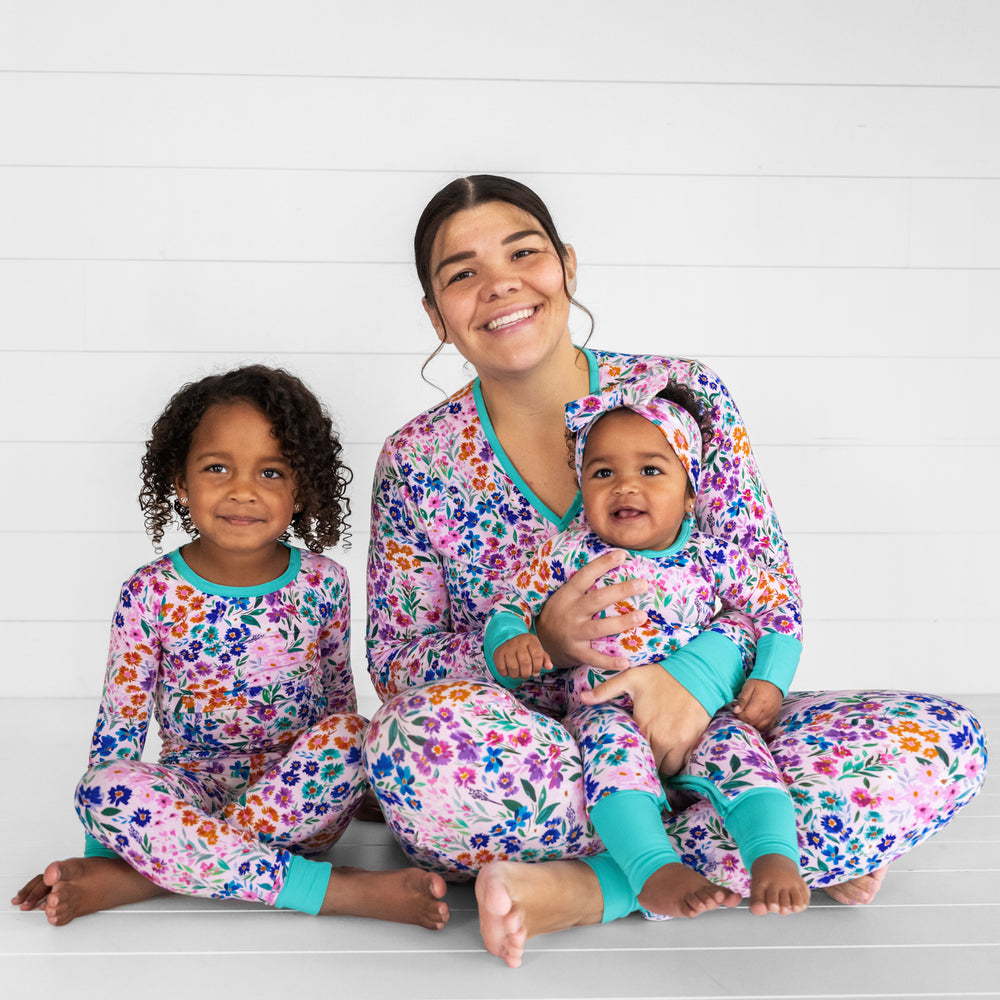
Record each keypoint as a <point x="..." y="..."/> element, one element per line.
<point x="260" y="590"/>
<point x="484" y="418"/>
<point x="683" y="537"/>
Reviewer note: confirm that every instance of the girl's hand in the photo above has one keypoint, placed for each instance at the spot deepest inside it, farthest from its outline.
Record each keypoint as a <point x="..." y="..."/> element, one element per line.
<point x="670" y="717"/>
<point x="567" y="625"/>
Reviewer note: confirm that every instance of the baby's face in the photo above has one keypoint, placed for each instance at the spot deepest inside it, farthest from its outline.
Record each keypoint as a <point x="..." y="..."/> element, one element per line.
<point x="635" y="488"/>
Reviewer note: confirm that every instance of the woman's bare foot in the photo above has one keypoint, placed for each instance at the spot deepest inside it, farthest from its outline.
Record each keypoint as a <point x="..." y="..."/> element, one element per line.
<point x="776" y="886"/>
<point x="78" y="886"/>
<point x="677" y="891"/>
<point x="857" y="891"/>
<point x="518" y="901"/>
<point x="406" y="895"/>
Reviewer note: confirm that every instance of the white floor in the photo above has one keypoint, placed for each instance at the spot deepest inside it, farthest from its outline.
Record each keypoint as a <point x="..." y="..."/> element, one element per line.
<point x="933" y="932"/>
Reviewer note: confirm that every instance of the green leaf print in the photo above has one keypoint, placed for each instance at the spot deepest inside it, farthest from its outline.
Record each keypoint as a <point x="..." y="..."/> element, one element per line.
<point x="110" y="811"/>
<point x="529" y="789"/>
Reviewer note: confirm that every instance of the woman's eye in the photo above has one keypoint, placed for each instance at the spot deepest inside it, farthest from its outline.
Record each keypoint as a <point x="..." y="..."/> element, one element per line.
<point x="524" y="252"/>
<point x="460" y="276"/>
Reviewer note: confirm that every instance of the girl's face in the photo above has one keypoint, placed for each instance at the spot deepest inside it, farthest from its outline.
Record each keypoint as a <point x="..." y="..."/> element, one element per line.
<point x="240" y="488"/>
<point x="635" y="488"/>
<point x="499" y="289"/>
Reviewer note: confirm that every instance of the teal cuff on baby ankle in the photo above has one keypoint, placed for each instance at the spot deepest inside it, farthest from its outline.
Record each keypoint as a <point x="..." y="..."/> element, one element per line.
<point x="305" y="885"/>
<point x="629" y="824"/>
<point x="93" y="848"/>
<point x="619" y="900"/>
<point x="762" y="821"/>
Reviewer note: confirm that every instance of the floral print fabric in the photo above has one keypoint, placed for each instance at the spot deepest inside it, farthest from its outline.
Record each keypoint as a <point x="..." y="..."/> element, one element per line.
<point x="468" y="773"/>
<point x="254" y="697"/>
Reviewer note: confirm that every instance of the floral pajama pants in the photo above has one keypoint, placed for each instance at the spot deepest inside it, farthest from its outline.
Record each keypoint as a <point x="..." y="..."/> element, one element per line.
<point x="223" y="825"/>
<point x="467" y="774"/>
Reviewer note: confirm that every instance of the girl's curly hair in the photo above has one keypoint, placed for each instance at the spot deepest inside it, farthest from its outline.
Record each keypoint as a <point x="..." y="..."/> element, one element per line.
<point x="299" y="422"/>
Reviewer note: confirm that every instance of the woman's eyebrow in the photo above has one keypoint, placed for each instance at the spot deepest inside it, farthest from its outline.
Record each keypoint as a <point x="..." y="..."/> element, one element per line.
<point x="470" y="254"/>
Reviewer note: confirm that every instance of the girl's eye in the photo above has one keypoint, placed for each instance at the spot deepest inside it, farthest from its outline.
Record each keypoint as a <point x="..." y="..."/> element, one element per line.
<point x="271" y="473"/>
<point x="215" y="467"/>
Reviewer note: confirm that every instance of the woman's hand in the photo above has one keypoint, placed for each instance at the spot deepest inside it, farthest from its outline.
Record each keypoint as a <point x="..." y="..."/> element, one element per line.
<point x="567" y="625"/>
<point x="670" y="717"/>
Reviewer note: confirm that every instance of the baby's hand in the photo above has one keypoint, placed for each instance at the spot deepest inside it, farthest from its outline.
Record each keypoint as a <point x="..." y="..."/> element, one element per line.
<point x="522" y="657"/>
<point x="759" y="703"/>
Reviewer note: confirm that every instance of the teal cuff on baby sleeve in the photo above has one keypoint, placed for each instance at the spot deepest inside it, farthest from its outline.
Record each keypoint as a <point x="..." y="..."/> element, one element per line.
<point x="305" y="885"/>
<point x="710" y="667"/>
<point x="502" y="626"/>
<point x="93" y="848"/>
<point x="777" y="659"/>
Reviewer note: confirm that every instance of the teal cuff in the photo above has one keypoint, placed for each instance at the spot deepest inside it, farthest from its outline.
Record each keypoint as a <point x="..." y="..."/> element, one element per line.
<point x="503" y="625"/>
<point x="762" y="821"/>
<point x="777" y="659"/>
<point x="631" y="828"/>
<point x="710" y="667"/>
<point x="93" y="848"/>
<point x="619" y="899"/>
<point x="305" y="885"/>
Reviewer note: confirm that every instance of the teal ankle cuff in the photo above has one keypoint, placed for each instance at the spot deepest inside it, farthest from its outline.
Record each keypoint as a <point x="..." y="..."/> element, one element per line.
<point x="619" y="900"/>
<point x="762" y="821"/>
<point x="305" y="885"/>
<point x="631" y="828"/>
<point x="93" y="848"/>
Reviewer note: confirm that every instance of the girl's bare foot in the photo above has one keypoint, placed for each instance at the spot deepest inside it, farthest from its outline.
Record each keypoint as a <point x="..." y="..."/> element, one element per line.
<point x="78" y="886"/>
<point x="857" y="891"/>
<point x="406" y="895"/>
<point x="518" y="901"/>
<point x="776" y="886"/>
<point x="677" y="891"/>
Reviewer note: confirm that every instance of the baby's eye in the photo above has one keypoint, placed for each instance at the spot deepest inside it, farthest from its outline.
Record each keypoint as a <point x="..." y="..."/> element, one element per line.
<point x="650" y="470"/>
<point x="603" y="473"/>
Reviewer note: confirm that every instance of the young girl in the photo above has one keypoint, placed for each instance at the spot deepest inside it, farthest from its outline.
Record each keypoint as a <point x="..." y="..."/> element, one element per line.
<point x="638" y="455"/>
<point x="238" y="643"/>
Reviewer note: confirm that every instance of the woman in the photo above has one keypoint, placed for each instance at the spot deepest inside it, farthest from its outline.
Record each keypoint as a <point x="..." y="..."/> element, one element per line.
<point x="472" y="777"/>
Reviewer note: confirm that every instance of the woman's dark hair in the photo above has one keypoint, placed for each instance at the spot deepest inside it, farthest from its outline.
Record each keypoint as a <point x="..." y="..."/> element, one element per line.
<point x="469" y="192"/>
<point x="298" y="421"/>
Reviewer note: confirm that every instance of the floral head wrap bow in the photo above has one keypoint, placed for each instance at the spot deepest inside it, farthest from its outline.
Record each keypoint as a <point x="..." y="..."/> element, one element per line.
<point x="678" y="426"/>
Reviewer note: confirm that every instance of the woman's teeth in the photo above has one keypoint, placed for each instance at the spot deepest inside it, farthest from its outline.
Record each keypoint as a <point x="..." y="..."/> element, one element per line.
<point x="514" y="317"/>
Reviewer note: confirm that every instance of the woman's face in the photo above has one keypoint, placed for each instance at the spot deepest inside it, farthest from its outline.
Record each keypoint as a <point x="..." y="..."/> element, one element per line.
<point x="499" y="288"/>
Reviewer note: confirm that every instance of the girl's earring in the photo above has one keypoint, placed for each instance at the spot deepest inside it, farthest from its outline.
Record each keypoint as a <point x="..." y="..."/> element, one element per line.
<point x="297" y="508"/>
<point x="183" y="500"/>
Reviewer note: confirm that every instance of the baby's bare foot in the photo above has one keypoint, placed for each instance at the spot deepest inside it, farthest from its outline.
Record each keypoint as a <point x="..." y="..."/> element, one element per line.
<point x="406" y="895"/>
<point x="857" y="891"/>
<point x="677" y="891"/>
<point x="518" y="901"/>
<point x="776" y="886"/>
<point x="78" y="886"/>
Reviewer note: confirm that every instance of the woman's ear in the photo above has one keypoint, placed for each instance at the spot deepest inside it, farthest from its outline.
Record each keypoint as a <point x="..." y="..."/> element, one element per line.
<point x="435" y="317"/>
<point x="569" y="263"/>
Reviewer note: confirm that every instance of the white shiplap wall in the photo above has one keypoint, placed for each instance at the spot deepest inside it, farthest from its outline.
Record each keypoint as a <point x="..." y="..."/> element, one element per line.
<point x="806" y="195"/>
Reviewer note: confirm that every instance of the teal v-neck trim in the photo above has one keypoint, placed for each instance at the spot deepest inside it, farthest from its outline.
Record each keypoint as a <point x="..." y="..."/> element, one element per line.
<point x="260" y="590"/>
<point x="484" y="419"/>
